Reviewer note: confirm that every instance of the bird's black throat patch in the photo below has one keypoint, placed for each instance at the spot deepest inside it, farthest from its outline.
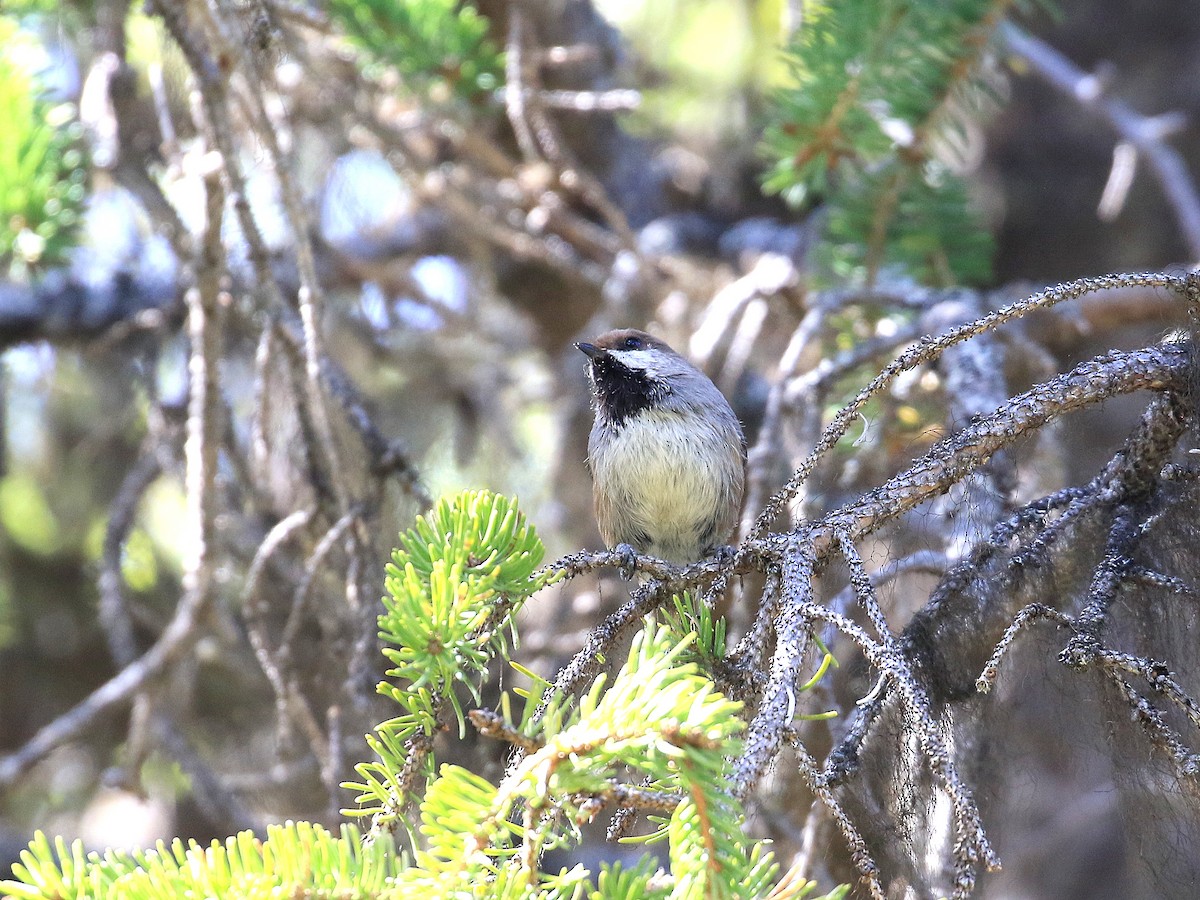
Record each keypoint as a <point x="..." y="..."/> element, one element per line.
<point x="621" y="391"/>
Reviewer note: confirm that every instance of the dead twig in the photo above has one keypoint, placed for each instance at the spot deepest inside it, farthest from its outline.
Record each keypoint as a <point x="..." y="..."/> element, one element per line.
<point x="1146" y="134"/>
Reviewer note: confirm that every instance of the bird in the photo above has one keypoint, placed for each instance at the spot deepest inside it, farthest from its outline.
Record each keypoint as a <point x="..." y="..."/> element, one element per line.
<point x="666" y="451"/>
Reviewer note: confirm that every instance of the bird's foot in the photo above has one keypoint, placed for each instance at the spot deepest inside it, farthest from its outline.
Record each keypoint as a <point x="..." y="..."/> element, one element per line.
<point x="627" y="562"/>
<point x="723" y="555"/>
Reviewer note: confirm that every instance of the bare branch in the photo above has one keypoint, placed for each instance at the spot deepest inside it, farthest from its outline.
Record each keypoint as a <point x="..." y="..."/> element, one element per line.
<point x="931" y="348"/>
<point x="1147" y="134"/>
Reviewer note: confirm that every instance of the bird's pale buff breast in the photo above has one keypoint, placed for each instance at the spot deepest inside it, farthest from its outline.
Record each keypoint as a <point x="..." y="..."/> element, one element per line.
<point x="670" y="488"/>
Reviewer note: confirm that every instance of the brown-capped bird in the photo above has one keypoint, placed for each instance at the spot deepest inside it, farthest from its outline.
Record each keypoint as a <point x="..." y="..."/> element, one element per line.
<point x="667" y="454"/>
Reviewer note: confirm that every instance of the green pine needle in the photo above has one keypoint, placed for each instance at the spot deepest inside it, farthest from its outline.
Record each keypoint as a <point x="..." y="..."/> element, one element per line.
<point x="880" y="89"/>
<point x="43" y="172"/>
<point x="440" y="48"/>
<point x="295" y="859"/>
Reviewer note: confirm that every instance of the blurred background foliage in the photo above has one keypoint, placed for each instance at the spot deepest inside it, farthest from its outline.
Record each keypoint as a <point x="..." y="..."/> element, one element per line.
<point x="42" y="170"/>
<point x="457" y="268"/>
<point x="432" y="44"/>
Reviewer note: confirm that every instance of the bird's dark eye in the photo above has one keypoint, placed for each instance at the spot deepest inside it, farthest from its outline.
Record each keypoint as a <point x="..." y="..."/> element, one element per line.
<point x="632" y="343"/>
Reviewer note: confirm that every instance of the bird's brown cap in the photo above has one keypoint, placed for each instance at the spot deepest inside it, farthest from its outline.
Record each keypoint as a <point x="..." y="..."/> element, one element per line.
<point x="623" y="339"/>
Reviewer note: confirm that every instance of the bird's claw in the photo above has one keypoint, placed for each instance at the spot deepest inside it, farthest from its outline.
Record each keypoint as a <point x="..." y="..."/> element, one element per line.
<point x="627" y="560"/>
<point x="723" y="555"/>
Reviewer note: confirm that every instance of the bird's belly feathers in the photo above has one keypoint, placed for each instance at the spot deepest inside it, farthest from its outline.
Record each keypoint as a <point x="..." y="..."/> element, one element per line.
<point x="672" y="491"/>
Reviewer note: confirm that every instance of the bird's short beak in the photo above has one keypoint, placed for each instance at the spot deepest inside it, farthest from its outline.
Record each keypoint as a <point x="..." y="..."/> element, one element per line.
<point x="591" y="351"/>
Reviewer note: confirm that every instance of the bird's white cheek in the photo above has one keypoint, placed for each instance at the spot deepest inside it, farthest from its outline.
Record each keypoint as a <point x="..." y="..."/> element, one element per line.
<point x="646" y="361"/>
